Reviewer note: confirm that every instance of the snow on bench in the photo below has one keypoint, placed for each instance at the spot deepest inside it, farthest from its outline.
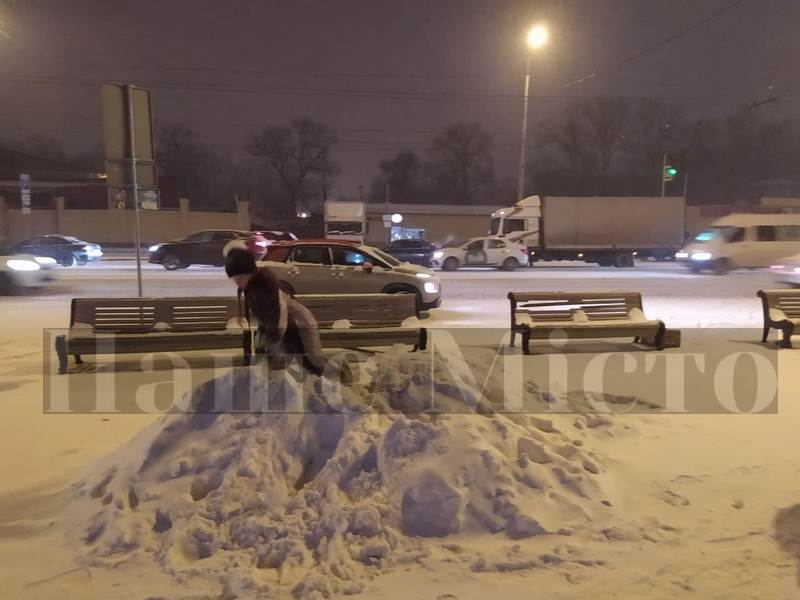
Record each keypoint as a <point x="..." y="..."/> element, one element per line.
<point x="581" y="315"/>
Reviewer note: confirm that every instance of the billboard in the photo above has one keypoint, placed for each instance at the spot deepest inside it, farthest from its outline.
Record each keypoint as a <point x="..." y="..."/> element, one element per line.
<point x="120" y="103"/>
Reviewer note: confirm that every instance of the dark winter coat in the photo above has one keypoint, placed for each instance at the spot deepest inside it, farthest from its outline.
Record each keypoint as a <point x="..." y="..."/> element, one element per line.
<point x="284" y="325"/>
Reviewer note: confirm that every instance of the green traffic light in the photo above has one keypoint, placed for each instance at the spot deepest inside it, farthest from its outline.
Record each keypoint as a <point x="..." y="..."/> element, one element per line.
<point x="672" y="171"/>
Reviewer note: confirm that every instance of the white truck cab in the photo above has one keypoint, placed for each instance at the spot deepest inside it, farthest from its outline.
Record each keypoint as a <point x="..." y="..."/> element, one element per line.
<point x="345" y="220"/>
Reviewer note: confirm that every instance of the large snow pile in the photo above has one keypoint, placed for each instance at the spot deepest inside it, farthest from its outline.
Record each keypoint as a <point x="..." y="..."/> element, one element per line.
<point x="316" y="503"/>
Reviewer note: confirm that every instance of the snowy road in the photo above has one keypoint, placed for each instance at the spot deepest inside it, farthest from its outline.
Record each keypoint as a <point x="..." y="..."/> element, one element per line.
<point x="469" y="297"/>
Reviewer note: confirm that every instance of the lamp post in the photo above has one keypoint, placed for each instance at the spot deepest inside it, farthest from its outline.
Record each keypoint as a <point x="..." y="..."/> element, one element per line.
<point x="537" y="38"/>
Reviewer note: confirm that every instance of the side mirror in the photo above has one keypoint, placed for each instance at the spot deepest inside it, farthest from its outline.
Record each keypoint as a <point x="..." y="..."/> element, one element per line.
<point x="367" y="266"/>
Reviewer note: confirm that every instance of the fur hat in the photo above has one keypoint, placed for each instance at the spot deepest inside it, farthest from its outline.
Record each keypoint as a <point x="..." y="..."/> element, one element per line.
<point x="239" y="262"/>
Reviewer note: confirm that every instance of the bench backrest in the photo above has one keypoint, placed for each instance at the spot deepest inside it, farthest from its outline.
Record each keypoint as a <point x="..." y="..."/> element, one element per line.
<point x="142" y="315"/>
<point x="787" y="300"/>
<point x="362" y="310"/>
<point x="560" y="306"/>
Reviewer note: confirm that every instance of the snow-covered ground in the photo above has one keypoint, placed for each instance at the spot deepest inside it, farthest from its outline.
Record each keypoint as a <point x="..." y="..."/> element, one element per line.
<point x="457" y="506"/>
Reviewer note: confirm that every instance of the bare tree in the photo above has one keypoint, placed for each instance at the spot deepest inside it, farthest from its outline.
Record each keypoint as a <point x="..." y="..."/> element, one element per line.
<point x="204" y="175"/>
<point x="300" y="155"/>
<point x="403" y="174"/>
<point x="461" y="163"/>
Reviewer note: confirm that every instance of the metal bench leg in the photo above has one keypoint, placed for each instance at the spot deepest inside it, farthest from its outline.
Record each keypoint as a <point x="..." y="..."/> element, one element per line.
<point x="61" y="352"/>
<point x="766" y="334"/>
<point x="659" y="341"/>
<point x="788" y="330"/>
<point x="513" y="335"/>
<point x="78" y="359"/>
<point x="247" y="347"/>
<point x="526" y="342"/>
<point x="423" y="339"/>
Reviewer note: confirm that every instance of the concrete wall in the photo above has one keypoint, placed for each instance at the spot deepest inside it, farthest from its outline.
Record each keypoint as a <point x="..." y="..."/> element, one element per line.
<point x="117" y="226"/>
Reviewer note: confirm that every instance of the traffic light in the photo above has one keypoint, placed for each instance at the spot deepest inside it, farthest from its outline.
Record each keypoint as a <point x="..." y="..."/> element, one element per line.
<point x="670" y="172"/>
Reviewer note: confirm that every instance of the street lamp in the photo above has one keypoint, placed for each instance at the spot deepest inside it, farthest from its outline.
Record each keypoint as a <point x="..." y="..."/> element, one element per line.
<point x="537" y="38"/>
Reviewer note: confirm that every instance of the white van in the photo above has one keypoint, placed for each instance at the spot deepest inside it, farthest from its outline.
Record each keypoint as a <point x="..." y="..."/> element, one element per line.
<point x="743" y="240"/>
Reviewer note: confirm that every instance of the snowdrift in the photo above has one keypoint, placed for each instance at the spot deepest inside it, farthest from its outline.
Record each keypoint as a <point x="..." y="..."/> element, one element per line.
<point x="316" y="503"/>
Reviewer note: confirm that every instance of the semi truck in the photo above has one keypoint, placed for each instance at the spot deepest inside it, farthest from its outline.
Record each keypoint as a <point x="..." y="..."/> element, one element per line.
<point x="607" y="230"/>
<point x="345" y="220"/>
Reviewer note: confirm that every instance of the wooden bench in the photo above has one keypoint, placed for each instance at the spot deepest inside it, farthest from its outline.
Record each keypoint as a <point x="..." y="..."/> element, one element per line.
<point x="536" y="315"/>
<point x="781" y="311"/>
<point x="375" y="319"/>
<point x="134" y="325"/>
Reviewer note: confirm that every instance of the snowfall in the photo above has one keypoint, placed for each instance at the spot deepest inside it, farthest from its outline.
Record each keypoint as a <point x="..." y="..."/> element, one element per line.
<point x="361" y="491"/>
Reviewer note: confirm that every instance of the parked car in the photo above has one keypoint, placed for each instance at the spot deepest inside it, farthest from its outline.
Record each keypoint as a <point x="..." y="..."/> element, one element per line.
<point x="339" y="267"/>
<point x="200" y="248"/>
<point x="418" y="252"/>
<point x="490" y="251"/>
<point x="21" y="272"/>
<point x="743" y="241"/>
<point x="65" y="249"/>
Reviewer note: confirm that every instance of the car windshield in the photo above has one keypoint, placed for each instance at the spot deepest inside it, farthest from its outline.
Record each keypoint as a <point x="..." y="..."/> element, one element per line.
<point x="344" y="227"/>
<point x="387" y="258"/>
<point x="719" y="233"/>
<point x="494" y="226"/>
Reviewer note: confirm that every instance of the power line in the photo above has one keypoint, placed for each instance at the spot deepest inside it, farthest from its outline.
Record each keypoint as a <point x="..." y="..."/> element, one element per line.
<point x="391" y="95"/>
<point x="664" y="42"/>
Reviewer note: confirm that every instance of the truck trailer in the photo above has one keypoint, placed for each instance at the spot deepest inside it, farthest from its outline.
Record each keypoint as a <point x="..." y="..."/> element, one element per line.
<point x="607" y="230"/>
<point x="345" y="220"/>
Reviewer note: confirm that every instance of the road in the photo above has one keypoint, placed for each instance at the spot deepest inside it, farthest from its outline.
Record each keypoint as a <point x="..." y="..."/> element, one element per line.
<point x="469" y="296"/>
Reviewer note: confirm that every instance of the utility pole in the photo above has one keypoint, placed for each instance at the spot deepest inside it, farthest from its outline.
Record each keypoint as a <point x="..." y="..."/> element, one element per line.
<point x="135" y="188"/>
<point x="663" y="174"/>
<point x="361" y="192"/>
<point x="524" y="137"/>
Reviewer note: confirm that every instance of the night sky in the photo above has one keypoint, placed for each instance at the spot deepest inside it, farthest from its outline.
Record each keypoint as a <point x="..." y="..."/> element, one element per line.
<point x="387" y="75"/>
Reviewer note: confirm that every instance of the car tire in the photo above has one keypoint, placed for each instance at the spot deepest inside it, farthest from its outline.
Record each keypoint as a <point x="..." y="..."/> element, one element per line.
<point x="623" y="261"/>
<point x="7" y="287"/>
<point x="510" y="264"/>
<point x="401" y="289"/>
<point x="82" y="261"/>
<point x="450" y="264"/>
<point x="68" y="260"/>
<point x="172" y="263"/>
<point x="721" y="266"/>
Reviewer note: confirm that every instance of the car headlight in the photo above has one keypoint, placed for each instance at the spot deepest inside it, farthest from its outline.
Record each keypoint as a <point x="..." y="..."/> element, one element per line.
<point x="701" y="256"/>
<point x="18" y="264"/>
<point x="154" y="248"/>
<point x="45" y="260"/>
<point x="681" y="254"/>
<point x="438" y="254"/>
<point x="424" y="275"/>
<point x="431" y="287"/>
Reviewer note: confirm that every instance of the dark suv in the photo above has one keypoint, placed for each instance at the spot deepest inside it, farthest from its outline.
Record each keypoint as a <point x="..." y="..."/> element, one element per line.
<point x="200" y="248"/>
<point x="418" y="252"/>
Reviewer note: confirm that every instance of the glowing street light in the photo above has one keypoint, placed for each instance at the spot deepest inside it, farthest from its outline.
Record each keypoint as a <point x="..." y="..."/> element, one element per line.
<point x="537" y="38"/>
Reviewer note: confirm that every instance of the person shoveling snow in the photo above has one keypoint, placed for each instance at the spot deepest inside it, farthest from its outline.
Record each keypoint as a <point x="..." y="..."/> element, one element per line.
<point x="285" y="327"/>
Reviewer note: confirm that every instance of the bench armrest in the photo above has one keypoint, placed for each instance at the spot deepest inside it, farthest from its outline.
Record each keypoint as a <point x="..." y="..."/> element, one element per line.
<point x="776" y="314"/>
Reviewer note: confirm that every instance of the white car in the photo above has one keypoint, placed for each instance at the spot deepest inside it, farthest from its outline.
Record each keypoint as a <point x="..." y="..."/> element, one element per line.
<point x="483" y="252"/>
<point x="20" y="272"/>
<point x="336" y="267"/>
<point x="787" y="271"/>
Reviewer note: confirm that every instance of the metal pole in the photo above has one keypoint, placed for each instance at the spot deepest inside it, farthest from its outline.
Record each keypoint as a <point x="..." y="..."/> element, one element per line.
<point x="135" y="186"/>
<point x="663" y="173"/>
<point x="524" y="137"/>
<point x="685" y="184"/>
